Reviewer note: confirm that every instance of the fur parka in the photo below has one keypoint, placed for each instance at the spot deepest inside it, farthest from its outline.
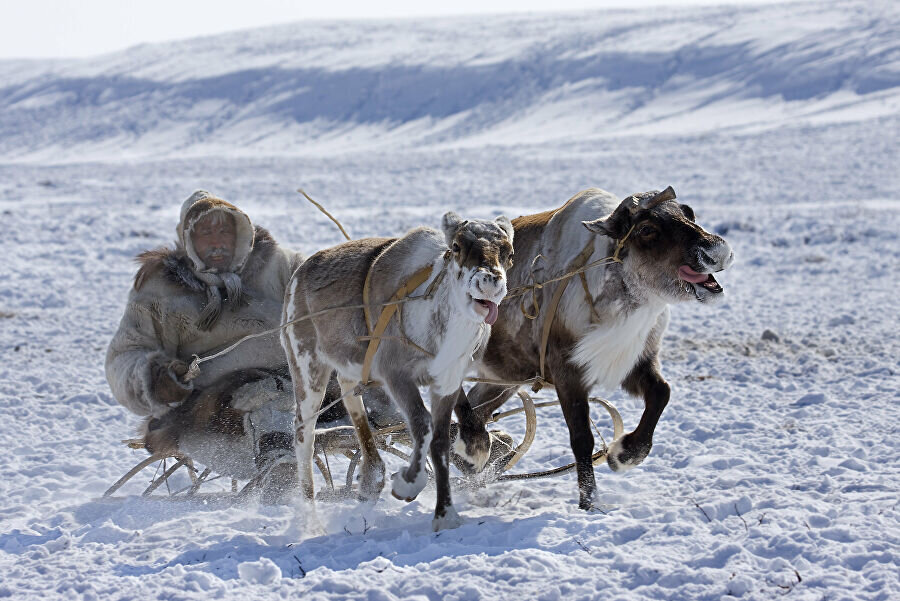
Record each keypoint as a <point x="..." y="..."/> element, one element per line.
<point x="163" y="325"/>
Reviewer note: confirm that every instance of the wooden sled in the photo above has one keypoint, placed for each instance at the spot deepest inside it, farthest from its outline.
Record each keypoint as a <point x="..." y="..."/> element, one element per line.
<point x="341" y="441"/>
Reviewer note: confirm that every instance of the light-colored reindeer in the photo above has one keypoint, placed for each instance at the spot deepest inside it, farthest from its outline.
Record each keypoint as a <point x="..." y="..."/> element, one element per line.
<point x="430" y="342"/>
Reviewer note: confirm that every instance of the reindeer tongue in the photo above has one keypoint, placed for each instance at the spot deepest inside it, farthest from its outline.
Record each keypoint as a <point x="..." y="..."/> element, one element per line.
<point x="493" y="312"/>
<point x="689" y="275"/>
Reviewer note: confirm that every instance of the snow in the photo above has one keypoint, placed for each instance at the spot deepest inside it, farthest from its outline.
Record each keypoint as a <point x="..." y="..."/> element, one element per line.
<point x="775" y="467"/>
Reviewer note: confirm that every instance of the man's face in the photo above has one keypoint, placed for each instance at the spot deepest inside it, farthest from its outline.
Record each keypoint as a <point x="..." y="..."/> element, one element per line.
<point x="213" y="237"/>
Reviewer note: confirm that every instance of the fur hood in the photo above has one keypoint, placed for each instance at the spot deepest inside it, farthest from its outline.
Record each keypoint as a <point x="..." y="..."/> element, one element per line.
<point x="178" y="267"/>
<point x="222" y="287"/>
<point x="197" y="206"/>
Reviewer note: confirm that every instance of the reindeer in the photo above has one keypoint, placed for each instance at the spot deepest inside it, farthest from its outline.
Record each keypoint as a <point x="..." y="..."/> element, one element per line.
<point x="432" y="342"/>
<point x="604" y="332"/>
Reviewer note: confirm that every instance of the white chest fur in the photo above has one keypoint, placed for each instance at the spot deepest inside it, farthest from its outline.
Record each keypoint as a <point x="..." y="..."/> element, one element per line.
<point x="608" y="351"/>
<point x="453" y="343"/>
<point x="454" y="356"/>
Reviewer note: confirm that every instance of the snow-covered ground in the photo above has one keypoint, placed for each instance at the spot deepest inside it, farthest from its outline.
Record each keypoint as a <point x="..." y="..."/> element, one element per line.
<point x="775" y="468"/>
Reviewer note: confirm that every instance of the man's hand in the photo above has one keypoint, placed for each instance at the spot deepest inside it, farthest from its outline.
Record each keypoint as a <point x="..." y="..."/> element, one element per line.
<point x="180" y="368"/>
<point x="166" y="381"/>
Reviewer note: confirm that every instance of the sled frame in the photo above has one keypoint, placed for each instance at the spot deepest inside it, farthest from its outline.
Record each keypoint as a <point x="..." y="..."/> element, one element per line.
<point x="340" y="441"/>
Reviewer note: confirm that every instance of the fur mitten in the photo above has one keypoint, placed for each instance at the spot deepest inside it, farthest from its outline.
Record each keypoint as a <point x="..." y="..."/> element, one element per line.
<point x="165" y="380"/>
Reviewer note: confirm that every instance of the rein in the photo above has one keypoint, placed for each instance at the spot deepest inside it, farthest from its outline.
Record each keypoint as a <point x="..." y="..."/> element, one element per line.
<point x="194" y="369"/>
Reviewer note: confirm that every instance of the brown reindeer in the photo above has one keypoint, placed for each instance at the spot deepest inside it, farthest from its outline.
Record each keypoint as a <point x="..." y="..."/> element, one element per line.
<point x="429" y="342"/>
<point x="607" y="328"/>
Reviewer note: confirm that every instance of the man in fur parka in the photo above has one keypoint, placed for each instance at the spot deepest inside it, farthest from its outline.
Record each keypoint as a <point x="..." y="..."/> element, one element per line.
<point x="225" y="279"/>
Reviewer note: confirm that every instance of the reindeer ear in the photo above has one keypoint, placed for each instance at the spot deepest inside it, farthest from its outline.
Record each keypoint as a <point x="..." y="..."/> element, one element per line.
<point x="600" y="226"/>
<point x="505" y="225"/>
<point x="450" y="224"/>
<point x="617" y="223"/>
<point x="688" y="212"/>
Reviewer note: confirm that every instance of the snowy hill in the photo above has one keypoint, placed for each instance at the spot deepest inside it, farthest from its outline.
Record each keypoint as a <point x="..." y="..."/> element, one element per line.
<point x="323" y="87"/>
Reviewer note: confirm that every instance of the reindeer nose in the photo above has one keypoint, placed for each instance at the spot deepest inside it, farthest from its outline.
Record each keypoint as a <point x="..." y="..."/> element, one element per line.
<point x="728" y="261"/>
<point x="493" y="274"/>
<point x="718" y="256"/>
<point x="487" y="277"/>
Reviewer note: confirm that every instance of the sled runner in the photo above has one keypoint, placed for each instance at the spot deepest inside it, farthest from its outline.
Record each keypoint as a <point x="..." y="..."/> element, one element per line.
<point x="340" y="442"/>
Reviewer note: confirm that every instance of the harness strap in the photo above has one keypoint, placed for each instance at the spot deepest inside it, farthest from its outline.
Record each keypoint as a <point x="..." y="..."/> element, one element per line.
<point x="375" y="335"/>
<point x="577" y="263"/>
<point x="534" y="286"/>
<point x="548" y="322"/>
<point x="589" y="297"/>
<point x="366" y="311"/>
<point x="576" y="266"/>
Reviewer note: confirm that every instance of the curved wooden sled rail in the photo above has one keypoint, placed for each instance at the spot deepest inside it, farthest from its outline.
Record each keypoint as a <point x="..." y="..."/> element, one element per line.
<point x="596" y="458"/>
<point x="341" y="440"/>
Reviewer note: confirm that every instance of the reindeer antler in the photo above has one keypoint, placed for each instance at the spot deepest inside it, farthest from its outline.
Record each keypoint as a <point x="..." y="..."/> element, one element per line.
<point x="667" y="194"/>
<point x="648" y="200"/>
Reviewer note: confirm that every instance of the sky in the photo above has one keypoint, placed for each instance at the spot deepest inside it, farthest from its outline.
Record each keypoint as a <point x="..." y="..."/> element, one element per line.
<point x="68" y="29"/>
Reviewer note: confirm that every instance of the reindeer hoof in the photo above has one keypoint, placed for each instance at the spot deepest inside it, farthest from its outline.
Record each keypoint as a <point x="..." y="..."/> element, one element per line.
<point x="448" y="521"/>
<point x="586" y="499"/>
<point x="595" y="507"/>
<point x="407" y="491"/>
<point x="593" y="502"/>
<point x="625" y="454"/>
<point x="371" y="483"/>
<point x="470" y="450"/>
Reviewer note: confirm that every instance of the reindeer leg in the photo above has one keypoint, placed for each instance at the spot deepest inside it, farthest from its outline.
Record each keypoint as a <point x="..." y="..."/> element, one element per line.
<point x="371" y="479"/>
<point x="573" y="398"/>
<point x="645" y="380"/>
<point x="445" y="515"/>
<point x="309" y="379"/>
<point x="408" y="483"/>
<point x="575" y="410"/>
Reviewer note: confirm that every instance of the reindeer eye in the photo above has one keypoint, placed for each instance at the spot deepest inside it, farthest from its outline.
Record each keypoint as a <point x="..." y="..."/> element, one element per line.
<point x="455" y="247"/>
<point x="647" y="230"/>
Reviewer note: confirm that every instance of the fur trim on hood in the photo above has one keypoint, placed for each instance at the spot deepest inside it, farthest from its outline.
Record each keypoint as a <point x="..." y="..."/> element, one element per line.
<point x="178" y="267"/>
<point x="199" y="204"/>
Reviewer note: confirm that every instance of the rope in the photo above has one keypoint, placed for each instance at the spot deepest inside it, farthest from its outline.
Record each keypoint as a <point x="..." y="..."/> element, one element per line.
<point x="194" y="369"/>
<point x="387" y="313"/>
<point x="538" y="383"/>
<point x="355" y="391"/>
<point x="614" y="258"/>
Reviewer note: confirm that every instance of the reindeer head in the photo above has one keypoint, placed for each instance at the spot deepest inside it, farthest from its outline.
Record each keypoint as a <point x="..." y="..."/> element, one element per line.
<point x="664" y="248"/>
<point x="480" y="253"/>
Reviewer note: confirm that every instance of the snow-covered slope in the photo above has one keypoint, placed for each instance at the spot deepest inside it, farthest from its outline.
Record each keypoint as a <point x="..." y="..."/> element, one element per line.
<point x="325" y="87"/>
<point x="776" y="467"/>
